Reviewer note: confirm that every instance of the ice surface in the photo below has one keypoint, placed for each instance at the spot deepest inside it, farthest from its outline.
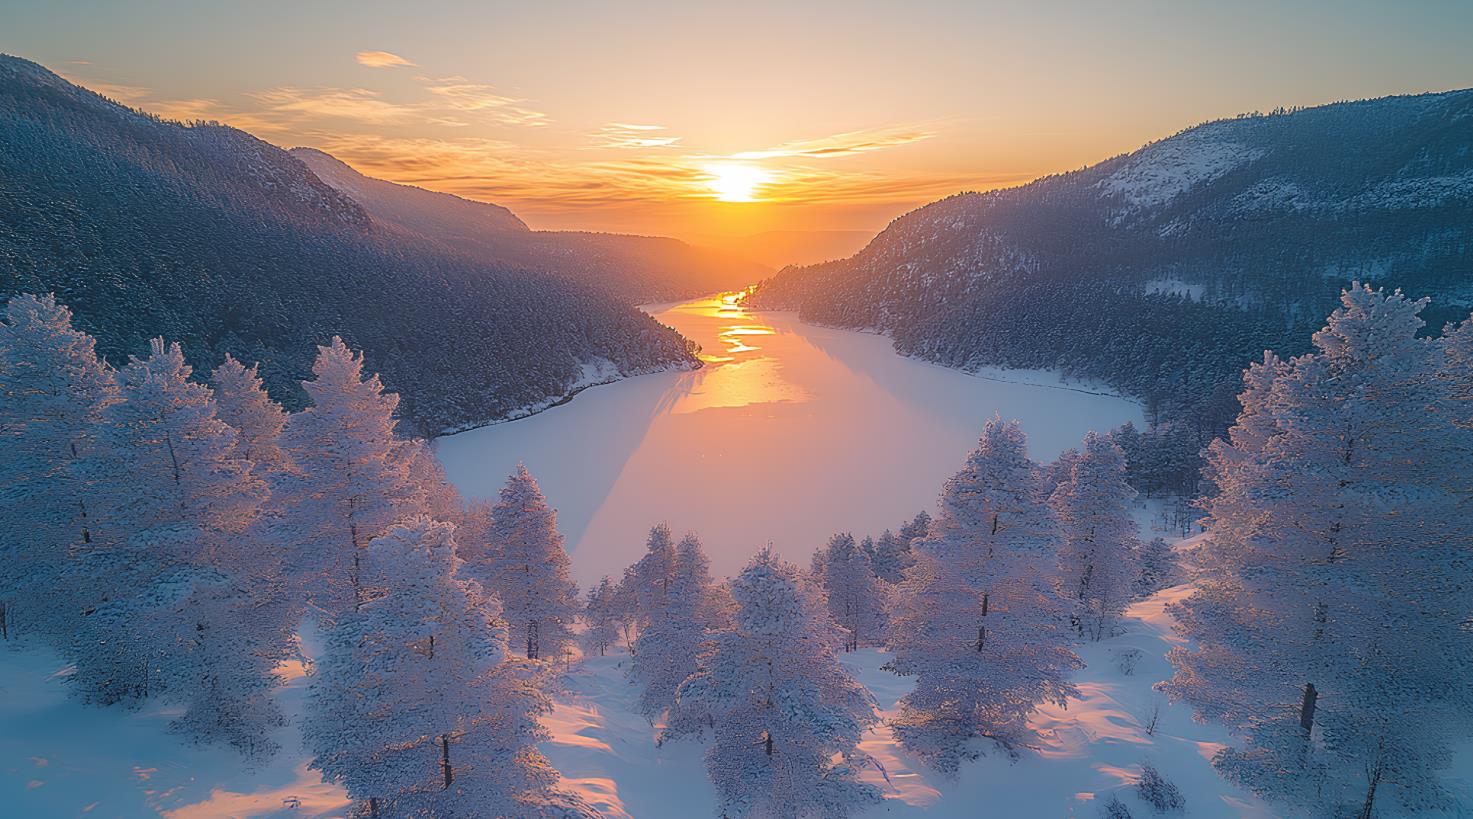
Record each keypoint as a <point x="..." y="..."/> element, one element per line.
<point x="790" y="433"/>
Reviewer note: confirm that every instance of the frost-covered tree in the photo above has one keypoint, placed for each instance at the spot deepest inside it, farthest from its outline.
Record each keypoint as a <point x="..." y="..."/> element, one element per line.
<point x="439" y="498"/>
<point x="242" y="403"/>
<point x="524" y="565"/>
<point x="786" y="717"/>
<point x="601" y="617"/>
<point x="916" y="527"/>
<point x="1455" y="375"/>
<point x="891" y="555"/>
<point x="351" y="479"/>
<point x="647" y="583"/>
<point x="1099" y="538"/>
<point x="179" y="618"/>
<point x="853" y="594"/>
<point x="666" y="650"/>
<point x="416" y="707"/>
<point x="978" y="620"/>
<point x="53" y="390"/>
<point x="1330" y="630"/>
<point x="1156" y="568"/>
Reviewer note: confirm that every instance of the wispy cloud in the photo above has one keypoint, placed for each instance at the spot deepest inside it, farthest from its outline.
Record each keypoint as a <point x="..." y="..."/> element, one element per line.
<point x="381" y="59"/>
<point x="845" y="144"/>
<point x="625" y="135"/>
<point x="358" y="104"/>
<point x="460" y="95"/>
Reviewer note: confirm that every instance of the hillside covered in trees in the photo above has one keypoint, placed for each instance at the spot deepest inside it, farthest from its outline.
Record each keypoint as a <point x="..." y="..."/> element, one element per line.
<point x="1165" y="271"/>
<point x="233" y="246"/>
<point x="631" y="269"/>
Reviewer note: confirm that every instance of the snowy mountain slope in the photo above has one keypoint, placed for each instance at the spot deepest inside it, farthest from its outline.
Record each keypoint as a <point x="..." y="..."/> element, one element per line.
<point x="227" y="244"/>
<point x="1266" y="217"/>
<point x="633" y="269"/>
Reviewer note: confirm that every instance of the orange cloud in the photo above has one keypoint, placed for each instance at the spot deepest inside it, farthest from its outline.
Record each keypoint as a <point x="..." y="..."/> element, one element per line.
<point x="624" y="135"/>
<point x="845" y="144"/>
<point x="459" y="95"/>
<point x="381" y="59"/>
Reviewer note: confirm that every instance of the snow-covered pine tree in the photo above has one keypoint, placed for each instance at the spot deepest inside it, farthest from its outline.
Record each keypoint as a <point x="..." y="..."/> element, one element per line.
<point x="853" y="594"/>
<point x="647" y="583"/>
<point x="525" y="566"/>
<point x="917" y="527"/>
<point x="440" y="499"/>
<point x="1099" y="538"/>
<point x="1156" y="568"/>
<point x="416" y="706"/>
<point x="177" y="504"/>
<point x="666" y="650"/>
<point x="786" y="717"/>
<point x="890" y="556"/>
<point x="600" y="618"/>
<point x="242" y="403"/>
<point x="978" y="619"/>
<point x="1057" y="471"/>
<point x="53" y="390"/>
<point x="1455" y="373"/>
<point x="1330" y="628"/>
<point x="350" y="479"/>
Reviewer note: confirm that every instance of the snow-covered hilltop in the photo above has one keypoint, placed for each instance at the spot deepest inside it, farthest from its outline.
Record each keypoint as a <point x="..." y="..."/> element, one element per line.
<point x="1261" y="219"/>
<point x="234" y="246"/>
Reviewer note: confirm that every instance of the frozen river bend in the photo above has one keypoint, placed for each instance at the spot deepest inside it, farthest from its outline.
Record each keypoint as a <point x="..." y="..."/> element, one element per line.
<point x="790" y="433"/>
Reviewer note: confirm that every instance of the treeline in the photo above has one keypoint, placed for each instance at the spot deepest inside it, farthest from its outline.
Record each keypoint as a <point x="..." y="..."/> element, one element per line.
<point x="232" y="246"/>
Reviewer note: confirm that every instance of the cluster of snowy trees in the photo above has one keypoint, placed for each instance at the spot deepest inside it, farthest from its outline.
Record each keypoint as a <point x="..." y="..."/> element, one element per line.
<point x="170" y="538"/>
<point x="981" y="603"/>
<point x="1333" y="627"/>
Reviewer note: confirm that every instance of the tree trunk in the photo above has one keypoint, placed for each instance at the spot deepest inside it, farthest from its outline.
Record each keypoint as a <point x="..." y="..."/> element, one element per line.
<point x="1368" y="809"/>
<point x="4" y="622"/>
<point x="1306" y="708"/>
<point x="445" y="759"/>
<point x="373" y="806"/>
<point x="532" y="639"/>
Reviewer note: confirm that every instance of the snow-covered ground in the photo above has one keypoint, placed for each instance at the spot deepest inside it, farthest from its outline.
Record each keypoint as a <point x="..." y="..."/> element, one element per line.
<point x="1090" y="750"/>
<point x="60" y="759"/>
<point x="791" y="432"/>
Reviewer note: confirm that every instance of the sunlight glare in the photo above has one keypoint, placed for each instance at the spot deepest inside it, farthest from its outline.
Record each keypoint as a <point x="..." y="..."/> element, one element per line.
<point x="736" y="182"/>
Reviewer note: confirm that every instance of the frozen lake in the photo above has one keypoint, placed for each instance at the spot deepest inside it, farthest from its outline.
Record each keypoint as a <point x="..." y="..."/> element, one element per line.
<point x="790" y="433"/>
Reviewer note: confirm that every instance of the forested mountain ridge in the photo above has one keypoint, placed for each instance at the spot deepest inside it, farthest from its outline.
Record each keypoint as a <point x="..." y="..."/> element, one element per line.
<point x="215" y="239"/>
<point x="1165" y="271"/>
<point x="633" y="269"/>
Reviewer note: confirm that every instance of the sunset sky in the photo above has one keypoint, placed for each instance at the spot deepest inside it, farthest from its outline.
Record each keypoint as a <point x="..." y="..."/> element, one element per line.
<point x="697" y="119"/>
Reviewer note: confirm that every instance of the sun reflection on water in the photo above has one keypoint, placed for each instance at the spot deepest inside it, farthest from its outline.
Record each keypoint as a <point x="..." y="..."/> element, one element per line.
<point x="738" y="373"/>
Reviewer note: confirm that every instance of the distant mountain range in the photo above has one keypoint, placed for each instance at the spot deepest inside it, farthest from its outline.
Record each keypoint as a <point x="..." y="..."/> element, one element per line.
<point x="213" y="238"/>
<point x="1167" y="270"/>
<point x="635" y="269"/>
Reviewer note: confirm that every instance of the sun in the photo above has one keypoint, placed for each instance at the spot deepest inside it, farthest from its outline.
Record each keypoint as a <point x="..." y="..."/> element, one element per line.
<point x="735" y="181"/>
